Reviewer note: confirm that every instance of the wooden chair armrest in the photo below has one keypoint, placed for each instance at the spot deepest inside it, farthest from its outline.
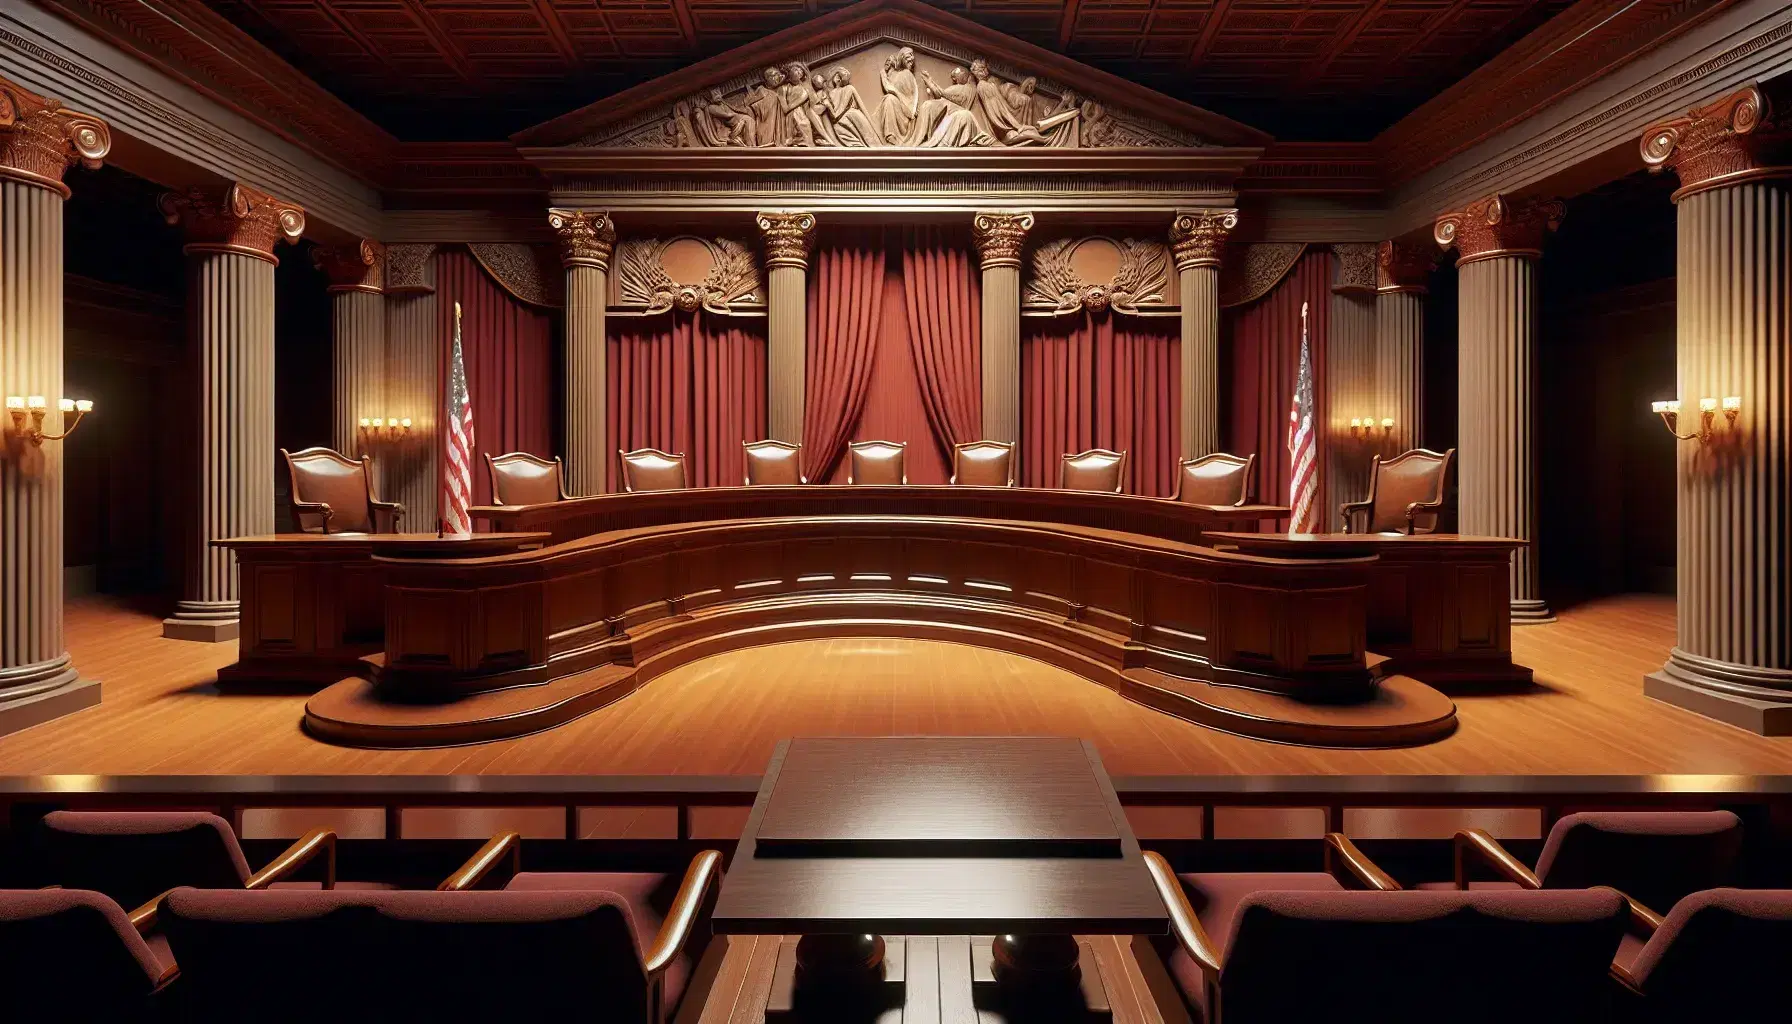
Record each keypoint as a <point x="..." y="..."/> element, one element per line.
<point x="320" y="508"/>
<point x="496" y="849"/>
<point x="1183" y="922"/>
<point x="685" y="908"/>
<point x="387" y="506"/>
<point x="1643" y="921"/>
<point x="144" y="918"/>
<point x="1340" y="851"/>
<point x="318" y="840"/>
<point x="1349" y="509"/>
<point x="1419" y="507"/>
<point x="1474" y="842"/>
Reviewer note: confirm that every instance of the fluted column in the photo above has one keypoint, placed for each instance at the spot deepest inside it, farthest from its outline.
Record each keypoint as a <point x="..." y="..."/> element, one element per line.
<point x="1733" y="660"/>
<point x="586" y="240"/>
<point x="999" y="236"/>
<point x="1350" y="379"/>
<point x="1498" y="240"/>
<point x="358" y="331"/>
<point x="230" y="311"/>
<point x="1402" y="273"/>
<point x="1196" y="238"/>
<point x="39" y="140"/>
<point x="789" y="237"/>
<point x="410" y="473"/>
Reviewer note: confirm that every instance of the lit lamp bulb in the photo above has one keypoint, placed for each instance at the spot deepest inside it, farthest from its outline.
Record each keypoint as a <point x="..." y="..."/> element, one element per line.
<point x="35" y="402"/>
<point x="405" y="423"/>
<point x="1658" y="407"/>
<point x="1707" y="405"/>
<point x="390" y="423"/>
<point x="65" y="405"/>
<point x="83" y="405"/>
<point x="365" y="423"/>
<point x="1387" y="423"/>
<point x="1732" y="403"/>
<point x="15" y="402"/>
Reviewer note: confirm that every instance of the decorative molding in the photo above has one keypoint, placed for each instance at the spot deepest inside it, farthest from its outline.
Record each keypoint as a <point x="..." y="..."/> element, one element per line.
<point x="40" y="139"/>
<point x="587" y="237"/>
<point x="408" y="269"/>
<point x="789" y="236"/>
<point x="1197" y="236"/>
<point x="1355" y="272"/>
<point x="1732" y="140"/>
<point x="359" y="268"/>
<point x="1404" y="266"/>
<point x="525" y="271"/>
<point x="731" y="283"/>
<point x="1498" y="226"/>
<point x="1260" y="267"/>
<point x="1314" y="168"/>
<point x="1140" y="277"/>
<point x="240" y="219"/>
<point x="998" y="236"/>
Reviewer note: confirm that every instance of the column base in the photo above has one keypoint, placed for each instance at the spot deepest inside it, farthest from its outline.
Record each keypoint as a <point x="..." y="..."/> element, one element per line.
<point x="1756" y="699"/>
<point x="1531" y="613"/>
<point x="212" y="622"/>
<point x="35" y="705"/>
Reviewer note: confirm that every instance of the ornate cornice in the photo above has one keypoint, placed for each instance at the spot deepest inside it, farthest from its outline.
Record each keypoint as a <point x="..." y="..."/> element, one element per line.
<point x="358" y="268"/>
<point x="40" y="139"/>
<point x="999" y="236"/>
<point x="587" y="237"/>
<point x="407" y="269"/>
<point x="1498" y="226"/>
<point x="1730" y="141"/>
<point x="1355" y="269"/>
<point x="241" y="219"/>
<point x="789" y="235"/>
<point x="1404" y="267"/>
<point x="1196" y="237"/>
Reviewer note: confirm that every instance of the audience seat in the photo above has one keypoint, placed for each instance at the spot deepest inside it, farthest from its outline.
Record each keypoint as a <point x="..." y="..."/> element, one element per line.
<point x="983" y="464"/>
<point x="1216" y="479"/>
<point x="1720" y="955"/>
<point x="1097" y="469"/>
<point x="1406" y="493"/>
<point x="773" y="463"/>
<point x="649" y="469"/>
<point x="332" y="493"/>
<point x="73" y="955"/>
<point x="519" y="478"/>
<point x="877" y="462"/>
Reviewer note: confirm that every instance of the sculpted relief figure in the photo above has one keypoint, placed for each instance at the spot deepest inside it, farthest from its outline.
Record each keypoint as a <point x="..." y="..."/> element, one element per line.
<point x="902" y="98"/>
<point x="765" y="104"/>
<point x="948" y="119"/>
<point x="852" y="125"/>
<point x="793" y="106"/>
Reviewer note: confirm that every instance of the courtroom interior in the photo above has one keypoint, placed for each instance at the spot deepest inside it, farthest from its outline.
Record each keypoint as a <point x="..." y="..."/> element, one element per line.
<point x="781" y="511"/>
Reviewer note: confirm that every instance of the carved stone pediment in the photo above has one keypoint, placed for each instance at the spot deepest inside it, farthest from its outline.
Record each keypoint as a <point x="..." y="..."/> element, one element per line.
<point x="1096" y="272"/>
<point x="686" y="272"/>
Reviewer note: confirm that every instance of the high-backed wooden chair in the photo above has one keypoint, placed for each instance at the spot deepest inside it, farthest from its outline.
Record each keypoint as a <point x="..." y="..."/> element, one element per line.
<point x="774" y="463"/>
<point x="877" y="462"/>
<point x="983" y="464"/>
<point x="1216" y="479"/>
<point x="1405" y="493"/>
<point x="1097" y="469"/>
<point x="649" y="469"/>
<point x="332" y="493"/>
<point x="519" y="478"/>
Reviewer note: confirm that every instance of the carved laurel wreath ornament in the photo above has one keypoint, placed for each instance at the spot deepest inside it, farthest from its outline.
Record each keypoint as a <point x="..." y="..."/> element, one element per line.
<point x="1142" y="278"/>
<point x="641" y="278"/>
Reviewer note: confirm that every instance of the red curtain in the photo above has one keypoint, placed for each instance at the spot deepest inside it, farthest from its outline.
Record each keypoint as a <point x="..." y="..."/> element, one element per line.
<point x="1101" y="381"/>
<point x="1263" y="345"/>
<point x="845" y="317"/>
<point x="508" y="349"/>
<point x="943" y="299"/>
<point x="691" y="383"/>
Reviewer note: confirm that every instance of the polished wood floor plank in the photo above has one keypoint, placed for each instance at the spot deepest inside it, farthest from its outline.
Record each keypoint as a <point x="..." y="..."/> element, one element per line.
<point x="161" y="713"/>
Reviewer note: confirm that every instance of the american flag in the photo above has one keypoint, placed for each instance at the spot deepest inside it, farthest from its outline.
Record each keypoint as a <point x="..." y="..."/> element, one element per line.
<point x="1303" y="486"/>
<point x="457" y="464"/>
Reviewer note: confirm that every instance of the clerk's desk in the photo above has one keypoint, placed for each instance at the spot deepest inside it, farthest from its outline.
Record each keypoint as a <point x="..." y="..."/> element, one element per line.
<point x="1439" y="604"/>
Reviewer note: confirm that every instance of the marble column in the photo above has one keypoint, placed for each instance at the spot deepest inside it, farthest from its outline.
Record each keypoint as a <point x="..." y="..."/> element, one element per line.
<point x="1498" y="241"/>
<point x="586" y="240"/>
<point x="1402" y="275"/>
<point x="1350" y="380"/>
<point x="230" y="311"/>
<point x="39" y="141"/>
<point x="357" y="289"/>
<point x="1196" y="238"/>
<point x="999" y="237"/>
<point x="410" y="473"/>
<point x="1733" y="659"/>
<point x="789" y="237"/>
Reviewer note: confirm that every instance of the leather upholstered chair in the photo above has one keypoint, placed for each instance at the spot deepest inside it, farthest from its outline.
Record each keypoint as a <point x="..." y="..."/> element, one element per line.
<point x="877" y="462"/>
<point x="983" y="464"/>
<point x="1405" y="493"/>
<point x="1216" y="479"/>
<point x="332" y="493"/>
<point x="1097" y="469"/>
<point x="1720" y="955"/>
<point x="72" y="955"/>
<point x="774" y="463"/>
<point x="649" y="469"/>
<point x="519" y="478"/>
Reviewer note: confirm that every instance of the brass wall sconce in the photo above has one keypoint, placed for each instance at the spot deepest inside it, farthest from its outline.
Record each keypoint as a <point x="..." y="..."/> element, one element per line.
<point x="392" y="430"/>
<point x="1368" y="430"/>
<point x="33" y="408"/>
<point x="1669" y="411"/>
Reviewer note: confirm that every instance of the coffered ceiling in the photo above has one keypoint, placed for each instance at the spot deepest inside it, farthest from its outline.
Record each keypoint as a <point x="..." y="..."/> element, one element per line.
<point x="469" y="69"/>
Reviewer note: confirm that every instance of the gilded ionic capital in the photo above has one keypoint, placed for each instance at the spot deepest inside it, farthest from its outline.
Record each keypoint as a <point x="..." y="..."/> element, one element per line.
<point x="240" y="219"/>
<point x="587" y="237"/>
<point x="1197" y="236"/>
<point x="40" y="139"/>
<point x="1732" y="140"/>
<point x="1498" y="225"/>
<point x="353" y="268"/>
<point x="789" y="235"/>
<point x="999" y="236"/>
<point x="1404" y="267"/>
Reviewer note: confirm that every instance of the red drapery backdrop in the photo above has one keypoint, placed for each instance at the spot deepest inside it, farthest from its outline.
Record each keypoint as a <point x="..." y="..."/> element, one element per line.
<point x="691" y="383"/>
<point x="943" y="302"/>
<point x="507" y="347"/>
<point x="845" y="318"/>
<point x="1262" y="346"/>
<point x="1101" y="381"/>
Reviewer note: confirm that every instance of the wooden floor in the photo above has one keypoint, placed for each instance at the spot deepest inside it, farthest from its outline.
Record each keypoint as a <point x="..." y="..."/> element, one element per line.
<point x="161" y="715"/>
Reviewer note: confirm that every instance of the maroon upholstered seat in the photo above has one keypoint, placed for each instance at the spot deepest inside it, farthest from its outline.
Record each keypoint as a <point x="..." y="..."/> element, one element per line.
<point x="983" y="464"/>
<point x="649" y="469"/>
<point x="332" y="493"/>
<point x="519" y="478"/>
<point x="1405" y="493"/>
<point x="72" y="955"/>
<point x="1097" y="469"/>
<point x="876" y="462"/>
<point x="1216" y="897"/>
<point x="774" y="463"/>
<point x="1216" y="479"/>
<point x="1720" y="955"/>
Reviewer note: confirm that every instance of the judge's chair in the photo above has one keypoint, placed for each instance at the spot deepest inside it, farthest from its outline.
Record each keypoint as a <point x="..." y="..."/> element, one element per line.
<point x="1097" y="469"/>
<point x="1216" y="479"/>
<point x="1405" y="494"/>
<point x="877" y="462"/>
<point x="983" y="464"/>
<point x="772" y="463"/>
<point x="332" y="493"/>
<point x="649" y="469"/>
<point x="519" y="478"/>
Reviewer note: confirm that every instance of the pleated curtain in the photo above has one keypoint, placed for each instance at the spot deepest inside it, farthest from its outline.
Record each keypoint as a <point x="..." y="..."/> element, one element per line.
<point x="1101" y="380"/>
<point x="690" y="383"/>
<point x="1260" y="347"/>
<point x="845" y="318"/>
<point x="942" y="298"/>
